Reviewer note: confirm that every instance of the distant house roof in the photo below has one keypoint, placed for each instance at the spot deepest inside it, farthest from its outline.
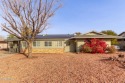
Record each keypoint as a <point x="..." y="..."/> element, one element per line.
<point x="3" y="42"/>
<point x="97" y="33"/>
<point x="122" y="34"/>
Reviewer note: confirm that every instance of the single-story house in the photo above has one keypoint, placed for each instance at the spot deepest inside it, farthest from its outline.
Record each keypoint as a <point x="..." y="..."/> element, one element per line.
<point x="60" y="43"/>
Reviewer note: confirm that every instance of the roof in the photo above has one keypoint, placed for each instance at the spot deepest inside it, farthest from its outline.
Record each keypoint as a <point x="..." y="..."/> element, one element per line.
<point x="12" y="39"/>
<point x="92" y="34"/>
<point x="97" y="33"/>
<point x="47" y="36"/>
<point x="55" y="36"/>
<point x="3" y="42"/>
<point x="122" y="34"/>
<point x="96" y="36"/>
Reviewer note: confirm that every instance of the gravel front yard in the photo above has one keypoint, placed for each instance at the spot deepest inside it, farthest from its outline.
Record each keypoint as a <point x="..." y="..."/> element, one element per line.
<point x="5" y="54"/>
<point x="61" y="68"/>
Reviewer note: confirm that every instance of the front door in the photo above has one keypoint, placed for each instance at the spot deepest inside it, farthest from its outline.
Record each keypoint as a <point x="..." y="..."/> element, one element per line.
<point x="72" y="46"/>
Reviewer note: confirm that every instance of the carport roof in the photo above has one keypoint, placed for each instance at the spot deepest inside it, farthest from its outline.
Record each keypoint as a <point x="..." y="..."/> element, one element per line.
<point x="12" y="39"/>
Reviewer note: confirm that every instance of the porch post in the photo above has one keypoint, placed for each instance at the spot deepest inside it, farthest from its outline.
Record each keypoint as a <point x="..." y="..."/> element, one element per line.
<point x="77" y="47"/>
<point x="7" y="47"/>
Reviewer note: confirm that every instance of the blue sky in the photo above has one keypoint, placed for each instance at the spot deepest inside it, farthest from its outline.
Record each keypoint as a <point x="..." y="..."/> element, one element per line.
<point x="87" y="15"/>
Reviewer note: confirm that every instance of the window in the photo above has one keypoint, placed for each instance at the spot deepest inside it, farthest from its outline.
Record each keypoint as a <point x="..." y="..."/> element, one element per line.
<point x="36" y="43"/>
<point x="24" y="44"/>
<point x="58" y="43"/>
<point x="48" y="43"/>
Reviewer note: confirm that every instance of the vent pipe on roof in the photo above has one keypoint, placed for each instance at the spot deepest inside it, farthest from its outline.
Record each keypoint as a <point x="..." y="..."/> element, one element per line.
<point x="44" y="34"/>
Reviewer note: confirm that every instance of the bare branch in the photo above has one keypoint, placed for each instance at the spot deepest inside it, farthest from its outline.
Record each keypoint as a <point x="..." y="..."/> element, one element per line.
<point x="27" y="18"/>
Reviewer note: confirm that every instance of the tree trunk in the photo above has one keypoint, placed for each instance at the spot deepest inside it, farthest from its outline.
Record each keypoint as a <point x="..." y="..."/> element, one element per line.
<point x="29" y="50"/>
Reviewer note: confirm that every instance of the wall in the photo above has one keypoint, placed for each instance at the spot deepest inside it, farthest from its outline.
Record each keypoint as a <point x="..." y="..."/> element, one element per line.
<point x="67" y="46"/>
<point x="108" y="41"/>
<point x="49" y="49"/>
<point x="3" y="45"/>
<point x="70" y="46"/>
<point x="46" y="50"/>
<point x="79" y="43"/>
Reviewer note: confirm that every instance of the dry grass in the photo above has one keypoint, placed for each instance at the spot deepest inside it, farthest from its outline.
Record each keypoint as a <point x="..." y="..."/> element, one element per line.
<point x="60" y="68"/>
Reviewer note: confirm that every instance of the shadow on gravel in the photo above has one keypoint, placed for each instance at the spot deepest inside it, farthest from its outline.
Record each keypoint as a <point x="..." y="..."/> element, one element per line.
<point x="108" y="61"/>
<point x="122" y="67"/>
<point x="113" y="61"/>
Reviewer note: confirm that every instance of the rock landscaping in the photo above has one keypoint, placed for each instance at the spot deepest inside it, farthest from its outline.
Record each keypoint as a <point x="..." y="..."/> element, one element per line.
<point x="62" y="68"/>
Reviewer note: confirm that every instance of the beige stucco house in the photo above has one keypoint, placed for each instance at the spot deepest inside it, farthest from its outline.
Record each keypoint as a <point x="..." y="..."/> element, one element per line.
<point x="61" y="43"/>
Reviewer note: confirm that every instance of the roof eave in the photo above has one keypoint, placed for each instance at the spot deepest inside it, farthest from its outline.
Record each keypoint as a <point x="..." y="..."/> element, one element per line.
<point x="96" y="37"/>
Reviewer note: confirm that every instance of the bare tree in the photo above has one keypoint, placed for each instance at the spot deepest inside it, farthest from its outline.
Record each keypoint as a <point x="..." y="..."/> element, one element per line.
<point x="27" y="18"/>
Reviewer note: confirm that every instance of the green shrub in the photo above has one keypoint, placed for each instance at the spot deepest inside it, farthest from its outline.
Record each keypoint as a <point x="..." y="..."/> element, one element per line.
<point x="86" y="49"/>
<point x="111" y="49"/>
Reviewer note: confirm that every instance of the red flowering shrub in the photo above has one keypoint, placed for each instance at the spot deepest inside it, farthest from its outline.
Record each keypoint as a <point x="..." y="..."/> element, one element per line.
<point x="94" y="46"/>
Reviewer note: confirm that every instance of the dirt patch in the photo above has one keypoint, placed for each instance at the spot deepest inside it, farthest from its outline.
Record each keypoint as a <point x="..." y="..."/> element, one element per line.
<point x="64" y="68"/>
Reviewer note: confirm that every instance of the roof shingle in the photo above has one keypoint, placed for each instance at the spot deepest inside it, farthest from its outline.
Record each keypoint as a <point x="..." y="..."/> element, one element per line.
<point x="54" y="36"/>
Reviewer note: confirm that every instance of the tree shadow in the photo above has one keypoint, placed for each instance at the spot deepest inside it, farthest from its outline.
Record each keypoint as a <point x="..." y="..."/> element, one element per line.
<point x="113" y="62"/>
<point x="107" y="61"/>
<point x="26" y="56"/>
<point x="122" y="67"/>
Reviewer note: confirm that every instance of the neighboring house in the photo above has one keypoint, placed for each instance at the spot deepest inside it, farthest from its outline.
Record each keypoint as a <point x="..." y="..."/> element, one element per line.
<point x="3" y="45"/>
<point x="60" y="43"/>
<point x="122" y="41"/>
